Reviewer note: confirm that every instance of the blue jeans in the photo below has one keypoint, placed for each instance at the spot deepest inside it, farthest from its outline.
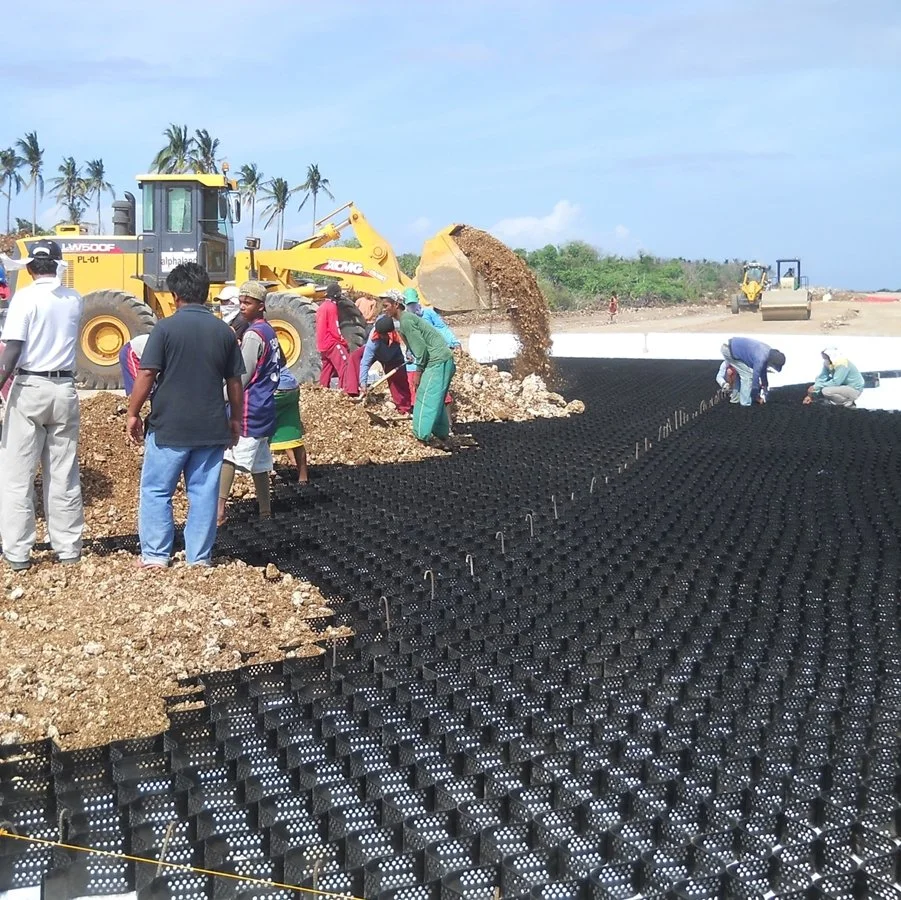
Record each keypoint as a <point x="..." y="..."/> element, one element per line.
<point x="159" y="477"/>
<point x="745" y="377"/>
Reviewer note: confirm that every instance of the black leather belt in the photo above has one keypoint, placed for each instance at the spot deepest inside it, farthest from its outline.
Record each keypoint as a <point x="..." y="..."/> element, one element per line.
<point x="59" y="373"/>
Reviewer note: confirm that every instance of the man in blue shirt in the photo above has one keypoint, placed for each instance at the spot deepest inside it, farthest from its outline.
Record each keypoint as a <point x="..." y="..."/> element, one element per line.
<point x="424" y="309"/>
<point x="384" y="347"/>
<point x="751" y="359"/>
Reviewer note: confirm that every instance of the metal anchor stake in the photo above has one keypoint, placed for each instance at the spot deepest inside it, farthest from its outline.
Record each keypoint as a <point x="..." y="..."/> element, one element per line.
<point x="500" y="535"/>
<point x="531" y="520"/>
<point x="469" y="560"/>
<point x="554" y="502"/>
<point x="591" y="489"/>
<point x="387" y="614"/>
<point x="426" y="574"/>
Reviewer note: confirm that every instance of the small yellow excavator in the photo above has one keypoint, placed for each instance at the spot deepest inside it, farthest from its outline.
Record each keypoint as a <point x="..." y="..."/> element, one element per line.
<point x="754" y="281"/>
<point x="190" y="217"/>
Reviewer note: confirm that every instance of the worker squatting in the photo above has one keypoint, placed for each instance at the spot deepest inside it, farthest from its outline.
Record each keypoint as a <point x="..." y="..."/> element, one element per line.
<point x="221" y="400"/>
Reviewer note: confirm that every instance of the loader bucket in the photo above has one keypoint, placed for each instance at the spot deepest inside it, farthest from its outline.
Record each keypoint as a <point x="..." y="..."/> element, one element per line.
<point x="446" y="277"/>
<point x="784" y="304"/>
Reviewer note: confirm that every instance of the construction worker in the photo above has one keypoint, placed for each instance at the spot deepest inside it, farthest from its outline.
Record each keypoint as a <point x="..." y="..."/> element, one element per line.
<point x="130" y="361"/>
<point x="726" y="378"/>
<point x="188" y="356"/>
<point x="384" y="347"/>
<point x="4" y="285"/>
<point x="229" y="307"/>
<point x="260" y="352"/>
<point x="330" y="342"/>
<point x="429" y="314"/>
<point x="369" y="307"/>
<point x="839" y="384"/>
<point x="613" y="307"/>
<point x="42" y="414"/>
<point x="435" y="369"/>
<point x="751" y="359"/>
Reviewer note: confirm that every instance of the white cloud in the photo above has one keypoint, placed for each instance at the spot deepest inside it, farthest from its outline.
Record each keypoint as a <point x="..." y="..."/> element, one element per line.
<point x="621" y="232"/>
<point x="535" y="231"/>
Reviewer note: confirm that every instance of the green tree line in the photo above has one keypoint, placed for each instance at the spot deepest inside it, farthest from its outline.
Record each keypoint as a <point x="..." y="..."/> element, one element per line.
<point x="576" y="275"/>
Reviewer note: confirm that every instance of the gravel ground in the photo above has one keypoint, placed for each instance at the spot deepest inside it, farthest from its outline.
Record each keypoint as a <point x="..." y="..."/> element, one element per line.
<point x="92" y="651"/>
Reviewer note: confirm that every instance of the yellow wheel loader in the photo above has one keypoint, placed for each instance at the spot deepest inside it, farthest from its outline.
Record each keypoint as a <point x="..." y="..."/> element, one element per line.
<point x="754" y="281"/>
<point x="190" y="217"/>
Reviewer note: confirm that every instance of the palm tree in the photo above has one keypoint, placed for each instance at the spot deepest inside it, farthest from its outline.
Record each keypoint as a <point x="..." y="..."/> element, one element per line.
<point x="312" y="186"/>
<point x="203" y="149"/>
<point x="33" y="155"/>
<point x="250" y="181"/>
<point x="96" y="185"/>
<point x="70" y="189"/>
<point x="175" y="157"/>
<point x="10" y="163"/>
<point x="277" y="192"/>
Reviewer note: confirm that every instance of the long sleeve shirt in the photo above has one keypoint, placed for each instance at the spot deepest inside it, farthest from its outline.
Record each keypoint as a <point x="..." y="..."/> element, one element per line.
<point x="328" y="332"/>
<point x="377" y="349"/>
<point x="434" y="319"/>
<point x="424" y="341"/>
<point x="841" y="372"/>
<point x="755" y="355"/>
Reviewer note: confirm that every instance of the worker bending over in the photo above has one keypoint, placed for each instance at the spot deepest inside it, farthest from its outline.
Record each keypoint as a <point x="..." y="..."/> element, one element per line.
<point x="330" y="342"/>
<point x="260" y="352"/>
<point x="751" y="360"/>
<point x="435" y="369"/>
<point x="384" y="347"/>
<point x="840" y="383"/>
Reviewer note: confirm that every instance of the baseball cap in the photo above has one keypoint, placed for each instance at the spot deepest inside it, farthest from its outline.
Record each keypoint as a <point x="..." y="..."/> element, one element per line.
<point x="333" y="291"/>
<point x="46" y="249"/>
<point x="229" y="294"/>
<point x="254" y="289"/>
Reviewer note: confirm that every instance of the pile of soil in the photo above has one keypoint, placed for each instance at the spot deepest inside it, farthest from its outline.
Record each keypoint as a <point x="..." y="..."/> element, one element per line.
<point x="513" y="287"/>
<point x="93" y="651"/>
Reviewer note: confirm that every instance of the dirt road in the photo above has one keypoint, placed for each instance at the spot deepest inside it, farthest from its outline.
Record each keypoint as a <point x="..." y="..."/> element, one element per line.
<point x="858" y="317"/>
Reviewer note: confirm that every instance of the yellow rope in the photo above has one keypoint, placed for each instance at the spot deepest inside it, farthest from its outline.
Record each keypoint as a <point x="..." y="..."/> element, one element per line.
<point x="169" y="865"/>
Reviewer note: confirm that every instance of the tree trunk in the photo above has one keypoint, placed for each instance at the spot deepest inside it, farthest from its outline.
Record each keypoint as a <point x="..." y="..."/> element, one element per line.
<point x="253" y="211"/>
<point x="9" y="200"/>
<point x="99" y="223"/>
<point x="34" y="211"/>
<point x="314" y="212"/>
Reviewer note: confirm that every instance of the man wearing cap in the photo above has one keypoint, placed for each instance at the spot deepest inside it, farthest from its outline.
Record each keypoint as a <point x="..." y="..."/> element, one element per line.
<point x="330" y="342"/>
<point x="434" y="370"/>
<point x="188" y="356"/>
<point x="260" y="352"/>
<point x="229" y="307"/>
<point x="42" y="415"/>
<point x="839" y="383"/>
<point x="751" y="360"/>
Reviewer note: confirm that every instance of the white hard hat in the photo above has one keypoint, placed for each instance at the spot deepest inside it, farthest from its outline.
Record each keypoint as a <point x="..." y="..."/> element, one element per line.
<point x="229" y="293"/>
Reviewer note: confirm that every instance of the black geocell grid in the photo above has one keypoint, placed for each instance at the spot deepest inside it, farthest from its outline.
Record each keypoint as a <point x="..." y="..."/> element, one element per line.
<point x="686" y="685"/>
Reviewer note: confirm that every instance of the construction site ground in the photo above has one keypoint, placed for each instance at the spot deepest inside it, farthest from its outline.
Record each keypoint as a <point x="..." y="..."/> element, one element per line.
<point x="857" y="316"/>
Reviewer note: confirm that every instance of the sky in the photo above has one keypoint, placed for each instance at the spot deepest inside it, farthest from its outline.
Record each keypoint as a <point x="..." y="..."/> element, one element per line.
<point x="692" y="128"/>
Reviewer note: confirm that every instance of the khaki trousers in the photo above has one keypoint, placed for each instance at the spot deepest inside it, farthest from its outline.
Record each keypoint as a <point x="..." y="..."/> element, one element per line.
<point x="40" y="427"/>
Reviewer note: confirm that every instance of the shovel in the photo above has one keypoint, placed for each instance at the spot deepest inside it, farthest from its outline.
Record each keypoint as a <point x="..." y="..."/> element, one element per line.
<point x="377" y="384"/>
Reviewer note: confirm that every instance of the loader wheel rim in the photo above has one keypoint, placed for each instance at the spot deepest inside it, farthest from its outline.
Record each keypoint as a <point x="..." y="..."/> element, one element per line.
<point x="102" y="338"/>
<point x="289" y="340"/>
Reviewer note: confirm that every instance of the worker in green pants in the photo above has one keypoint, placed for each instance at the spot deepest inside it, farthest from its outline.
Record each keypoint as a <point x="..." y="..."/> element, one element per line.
<point x="435" y="368"/>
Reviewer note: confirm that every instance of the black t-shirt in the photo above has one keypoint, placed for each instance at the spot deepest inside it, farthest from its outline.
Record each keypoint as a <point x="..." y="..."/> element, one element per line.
<point x="194" y="352"/>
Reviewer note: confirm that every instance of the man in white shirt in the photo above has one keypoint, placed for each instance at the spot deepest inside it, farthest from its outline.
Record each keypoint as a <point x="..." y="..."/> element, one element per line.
<point x="42" y="414"/>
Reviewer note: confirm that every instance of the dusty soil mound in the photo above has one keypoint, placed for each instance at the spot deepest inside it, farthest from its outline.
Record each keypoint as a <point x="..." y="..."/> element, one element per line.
<point x="93" y="650"/>
<point x="513" y="286"/>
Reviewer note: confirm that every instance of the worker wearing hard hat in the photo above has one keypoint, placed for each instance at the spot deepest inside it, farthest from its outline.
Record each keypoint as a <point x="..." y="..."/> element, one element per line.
<point x="752" y="360"/>
<point x="839" y="384"/>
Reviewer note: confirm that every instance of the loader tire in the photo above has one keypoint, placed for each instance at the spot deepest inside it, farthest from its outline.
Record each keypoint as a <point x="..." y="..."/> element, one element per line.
<point x="294" y="321"/>
<point x="109" y="320"/>
<point x="736" y="305"/>
<point x="352" y="323"/>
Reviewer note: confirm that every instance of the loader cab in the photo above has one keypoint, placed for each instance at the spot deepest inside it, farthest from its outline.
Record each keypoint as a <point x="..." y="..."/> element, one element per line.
<point x="186" y="218"/>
